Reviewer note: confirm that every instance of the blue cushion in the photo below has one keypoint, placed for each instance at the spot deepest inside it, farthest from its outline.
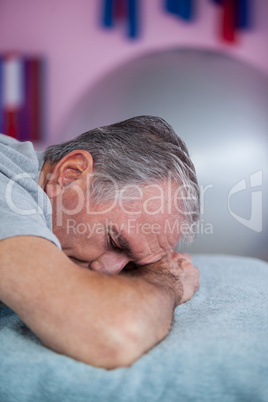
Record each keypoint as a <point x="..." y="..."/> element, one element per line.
<point x="217" y="349"/>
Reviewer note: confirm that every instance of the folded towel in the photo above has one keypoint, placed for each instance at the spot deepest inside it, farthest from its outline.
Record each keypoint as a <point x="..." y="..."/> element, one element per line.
<point x="217" y="349"/>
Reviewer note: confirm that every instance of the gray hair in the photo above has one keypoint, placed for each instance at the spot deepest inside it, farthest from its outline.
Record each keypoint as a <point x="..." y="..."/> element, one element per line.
<point x="138" y="151"/>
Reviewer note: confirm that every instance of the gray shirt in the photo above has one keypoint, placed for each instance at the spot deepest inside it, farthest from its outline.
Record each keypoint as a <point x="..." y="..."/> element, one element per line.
<point x="25" y="209"/>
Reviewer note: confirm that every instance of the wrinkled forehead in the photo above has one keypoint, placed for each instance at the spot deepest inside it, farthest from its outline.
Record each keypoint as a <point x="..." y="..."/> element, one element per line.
<point x="146" y="228"/>
<point x="148" y="238"/>
<point x="155" y="208"/>
<point x="163" y="226"/>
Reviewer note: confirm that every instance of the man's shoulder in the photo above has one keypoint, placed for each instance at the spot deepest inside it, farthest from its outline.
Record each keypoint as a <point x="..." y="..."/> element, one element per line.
<point x="5" y="139"/>
<point x="18" y="155"/>
<point x="25" y="207"/>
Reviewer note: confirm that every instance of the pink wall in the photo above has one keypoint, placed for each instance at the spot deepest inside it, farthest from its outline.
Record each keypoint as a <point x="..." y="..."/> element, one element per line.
<point x="80" y="53"/>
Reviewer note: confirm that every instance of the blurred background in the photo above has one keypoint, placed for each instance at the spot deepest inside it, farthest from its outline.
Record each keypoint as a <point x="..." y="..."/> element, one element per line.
<point x="67" y="66"/>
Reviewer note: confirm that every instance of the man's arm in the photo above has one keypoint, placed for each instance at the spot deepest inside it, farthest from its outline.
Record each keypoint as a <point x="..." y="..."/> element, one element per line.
<point x="105" y="321"/>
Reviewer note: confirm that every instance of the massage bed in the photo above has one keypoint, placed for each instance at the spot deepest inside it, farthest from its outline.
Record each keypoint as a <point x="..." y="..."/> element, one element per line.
<point x="217" y="349"/>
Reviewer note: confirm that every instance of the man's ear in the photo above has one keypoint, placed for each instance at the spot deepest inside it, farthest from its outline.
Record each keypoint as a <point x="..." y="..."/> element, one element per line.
<point x="72" y="167"/>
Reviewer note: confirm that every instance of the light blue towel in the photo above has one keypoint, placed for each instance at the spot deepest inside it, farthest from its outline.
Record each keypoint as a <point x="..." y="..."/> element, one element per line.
<point x="217" y="350"/>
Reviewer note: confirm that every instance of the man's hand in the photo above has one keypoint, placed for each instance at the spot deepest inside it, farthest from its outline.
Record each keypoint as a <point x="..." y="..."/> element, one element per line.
<point x="104" y="320"/>
<point x="175" y="272"/>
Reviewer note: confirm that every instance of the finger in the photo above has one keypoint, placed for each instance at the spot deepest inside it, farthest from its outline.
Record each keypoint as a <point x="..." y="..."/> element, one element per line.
<point x="182" y="257"/>
<point x="187" y="256"/>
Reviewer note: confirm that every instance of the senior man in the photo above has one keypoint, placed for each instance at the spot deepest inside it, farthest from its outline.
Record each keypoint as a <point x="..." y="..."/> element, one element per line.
<point x="88" y="230"/>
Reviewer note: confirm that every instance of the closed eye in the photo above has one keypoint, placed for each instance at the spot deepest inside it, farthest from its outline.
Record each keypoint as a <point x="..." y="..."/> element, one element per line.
<point x="120" y="244"/>
<point x="114" y="246"/>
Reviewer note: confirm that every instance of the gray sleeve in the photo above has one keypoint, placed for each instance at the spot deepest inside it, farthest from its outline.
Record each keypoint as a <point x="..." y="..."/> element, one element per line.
<point x="22" y="214"/>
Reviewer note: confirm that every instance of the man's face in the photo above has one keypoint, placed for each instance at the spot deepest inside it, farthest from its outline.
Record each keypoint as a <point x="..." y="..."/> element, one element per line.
<point x="107" y="236"/>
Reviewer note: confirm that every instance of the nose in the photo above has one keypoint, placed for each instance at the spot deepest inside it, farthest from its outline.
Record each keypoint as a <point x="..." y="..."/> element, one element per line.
<point x="110" y="263"/>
